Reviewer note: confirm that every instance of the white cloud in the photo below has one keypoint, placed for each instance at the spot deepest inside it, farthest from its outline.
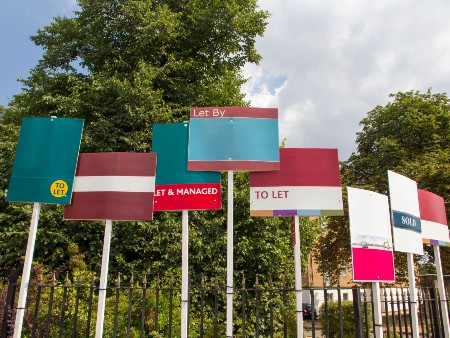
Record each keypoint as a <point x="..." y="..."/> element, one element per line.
<point x="327" y="63"/>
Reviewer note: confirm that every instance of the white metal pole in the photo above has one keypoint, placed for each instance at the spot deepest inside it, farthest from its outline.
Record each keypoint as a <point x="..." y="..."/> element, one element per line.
<point x="441" y="288"/>
<point x="26" y="270"/>
<point x="378" y="319"/>
<point x="413" y="296"/>
<point x="103" y="280"/>
<point x="298" y="278"/>
<point x="184" y="273"/>
<point x="230" y="246"/>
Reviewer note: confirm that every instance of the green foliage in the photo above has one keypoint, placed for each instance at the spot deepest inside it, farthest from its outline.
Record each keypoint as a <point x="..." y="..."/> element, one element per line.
<point x="154" y="303"/>
<point x="122" y="66"/>
<point x="410" y="136"/>
<point x="348" y="319"/>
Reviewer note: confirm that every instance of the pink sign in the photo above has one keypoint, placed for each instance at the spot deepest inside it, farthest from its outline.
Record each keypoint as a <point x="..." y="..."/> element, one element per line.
<point x="370" y="235"/>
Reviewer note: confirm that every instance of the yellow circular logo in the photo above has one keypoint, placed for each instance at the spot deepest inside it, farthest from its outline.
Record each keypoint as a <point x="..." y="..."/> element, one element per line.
<point x="59" y="188"/>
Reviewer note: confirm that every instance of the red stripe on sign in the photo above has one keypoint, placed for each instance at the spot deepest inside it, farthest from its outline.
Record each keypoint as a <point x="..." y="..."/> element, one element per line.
<point x="302" y="167"/>
<point x="219" y="112"/>
<point x="178" y="197"/>
<point x="233" y="165"/>
<point x="116" y="164"/>
<point x="118" y="206"/>
<point x="373" y="265"/>
<point x="432" y="207"/>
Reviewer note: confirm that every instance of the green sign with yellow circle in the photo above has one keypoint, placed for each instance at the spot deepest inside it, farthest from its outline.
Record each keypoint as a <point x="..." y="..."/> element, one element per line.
<point x="46" y="160"/>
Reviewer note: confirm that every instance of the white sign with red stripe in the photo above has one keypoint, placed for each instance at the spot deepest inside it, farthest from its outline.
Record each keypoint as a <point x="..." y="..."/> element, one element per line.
<point x="434" y="219"/>
<point x="307" y="184"/>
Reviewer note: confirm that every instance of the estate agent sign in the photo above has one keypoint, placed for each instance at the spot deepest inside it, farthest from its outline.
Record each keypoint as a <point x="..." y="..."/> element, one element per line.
<point x="113" y="186"/>
<point x="307" y="184"/>
<point x="177" y="188"/>
<point x="45" y="161"/>
<point x="233" y="139"/>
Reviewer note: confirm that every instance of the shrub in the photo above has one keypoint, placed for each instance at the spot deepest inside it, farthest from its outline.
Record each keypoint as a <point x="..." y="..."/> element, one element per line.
<point x="348" y="319"/>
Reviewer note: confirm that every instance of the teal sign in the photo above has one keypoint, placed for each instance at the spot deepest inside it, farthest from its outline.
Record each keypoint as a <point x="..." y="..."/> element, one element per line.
<point x="176" y="187"/>
<point x="406" y="221"/>
<point x="170" y="142"/>
<point x="46" y="160"/>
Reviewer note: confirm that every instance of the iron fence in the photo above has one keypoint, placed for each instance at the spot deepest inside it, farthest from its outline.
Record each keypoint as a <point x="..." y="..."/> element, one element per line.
<point x="150" y="307"/>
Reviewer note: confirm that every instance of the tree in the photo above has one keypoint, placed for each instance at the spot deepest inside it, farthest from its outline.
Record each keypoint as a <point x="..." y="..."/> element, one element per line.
<point x="122" y="66"/>
<point x="410" y="136"/>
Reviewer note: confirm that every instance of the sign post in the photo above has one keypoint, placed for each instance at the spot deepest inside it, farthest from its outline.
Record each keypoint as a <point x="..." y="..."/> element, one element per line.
<point x="230" y="254"/>
<point x="233" y="139"/>
<point x="26" y="270"/>
<point x="298" y="277"/>
<point x="371" y="244"/>
<point x="435" y="232"/>
<point x="112" y="186"/>
<point x="184" y="273"/>
<point x="178" y="189"/>
<point x="43" y="172"/>
<point x="103" y="279"/>
<point x="407" y="232"/>
<point x="307" y="184"/>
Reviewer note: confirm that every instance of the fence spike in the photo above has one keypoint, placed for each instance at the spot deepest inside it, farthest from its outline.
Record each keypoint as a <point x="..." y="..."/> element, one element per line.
<point x="202" y="282"/>
<point x="118" y="280"/>
<point x="257" y="282"/>
<point x="270" y="281"/>
<point x="132" y="279"/>
<point x="66" y="280"/>
<point x="243" y="281"/>
<point x="145" y="280"/>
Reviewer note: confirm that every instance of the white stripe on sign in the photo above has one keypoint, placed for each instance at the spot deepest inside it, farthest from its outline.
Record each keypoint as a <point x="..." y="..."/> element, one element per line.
<point x="295" y="198"/>
<point x="114" y="183"/>
<point x="436" y="231"/>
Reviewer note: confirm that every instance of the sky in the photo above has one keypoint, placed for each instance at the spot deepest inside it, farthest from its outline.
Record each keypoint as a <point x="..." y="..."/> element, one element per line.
<point x="325" y="65"/>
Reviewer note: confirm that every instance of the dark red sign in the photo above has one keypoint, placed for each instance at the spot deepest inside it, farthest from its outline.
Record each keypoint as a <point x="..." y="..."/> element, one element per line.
<point x="113" y="186"/>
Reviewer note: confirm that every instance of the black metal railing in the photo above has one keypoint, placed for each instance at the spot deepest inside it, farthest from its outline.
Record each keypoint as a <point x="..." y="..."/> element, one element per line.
<point x="150" y="307"/>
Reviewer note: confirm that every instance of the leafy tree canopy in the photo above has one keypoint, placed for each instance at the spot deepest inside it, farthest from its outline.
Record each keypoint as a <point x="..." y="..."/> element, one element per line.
<point x="410" y="136"/>
<point x="122" y="66"/>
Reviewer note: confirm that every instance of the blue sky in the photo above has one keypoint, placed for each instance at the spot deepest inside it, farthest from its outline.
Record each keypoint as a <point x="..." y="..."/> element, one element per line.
<point x="325" y="65"/>
<point x="20" y="19"/>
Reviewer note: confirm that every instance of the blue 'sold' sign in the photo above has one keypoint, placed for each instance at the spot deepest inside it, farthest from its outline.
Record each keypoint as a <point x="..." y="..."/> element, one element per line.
<point x="406" y="221"/>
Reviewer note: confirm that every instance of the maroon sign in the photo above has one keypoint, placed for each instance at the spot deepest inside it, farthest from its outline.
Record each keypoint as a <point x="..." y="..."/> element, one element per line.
<point x="113" y="186"/>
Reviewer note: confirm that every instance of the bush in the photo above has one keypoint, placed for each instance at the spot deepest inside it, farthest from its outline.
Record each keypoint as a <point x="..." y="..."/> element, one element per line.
<point x="348" y="319"/>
